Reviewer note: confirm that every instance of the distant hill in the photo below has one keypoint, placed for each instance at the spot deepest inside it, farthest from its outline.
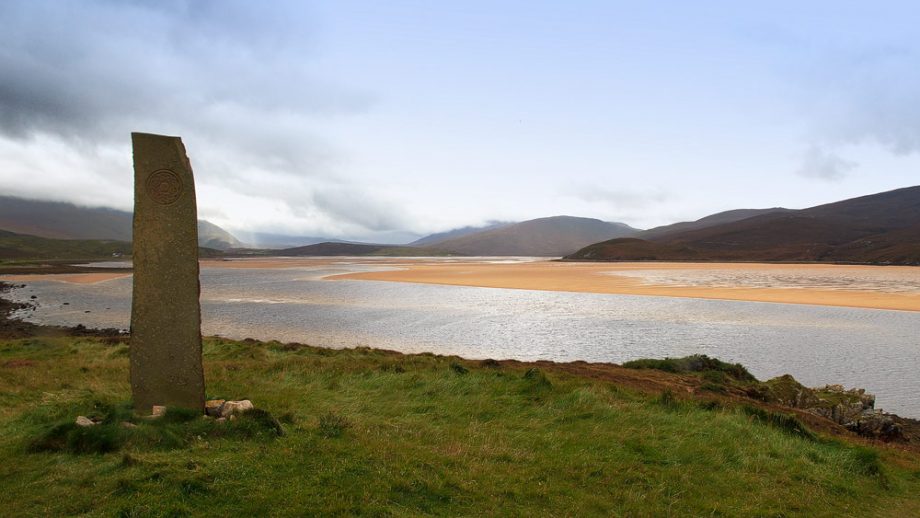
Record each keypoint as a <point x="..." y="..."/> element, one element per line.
<point x="58" y="220"/>
<point x="212" y="236"/>
<point x="434" y="239"/>
<point x="547" y="237"/>
<point x="881" y="228"/>
<point x="358" y="249"/>
<point x="267" y="240"/>
<point x="21" y="247"/>
<point x="719" y="218"/>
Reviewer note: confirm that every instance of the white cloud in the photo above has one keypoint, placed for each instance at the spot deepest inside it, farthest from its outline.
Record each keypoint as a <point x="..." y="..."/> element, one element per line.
<point x="821" y="164"/>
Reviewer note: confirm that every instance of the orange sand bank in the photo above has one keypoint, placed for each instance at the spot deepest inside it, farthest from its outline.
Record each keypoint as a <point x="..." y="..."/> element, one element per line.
<point x="612" y="278"/>
<point x="76" y="278"/>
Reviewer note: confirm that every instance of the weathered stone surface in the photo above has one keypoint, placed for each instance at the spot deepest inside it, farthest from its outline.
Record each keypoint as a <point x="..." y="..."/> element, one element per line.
<point x="877" y="425"/>
<point x="231" y="408"/>
<point x="212" y="407"/>
<point x="165" y="312"/>
<point x="84" y="421"/>
<point x="854" y="409"/>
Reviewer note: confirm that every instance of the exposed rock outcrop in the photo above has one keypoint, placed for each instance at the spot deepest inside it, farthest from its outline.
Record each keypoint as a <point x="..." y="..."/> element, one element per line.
<point x="852" y="408"/>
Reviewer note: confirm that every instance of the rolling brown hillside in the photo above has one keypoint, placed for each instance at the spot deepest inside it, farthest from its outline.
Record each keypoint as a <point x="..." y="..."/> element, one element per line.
<point x="721" y="218"/>
<point x="881" y="228"/>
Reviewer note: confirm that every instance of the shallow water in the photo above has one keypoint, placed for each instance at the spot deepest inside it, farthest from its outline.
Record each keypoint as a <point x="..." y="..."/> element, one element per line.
<point x="874" y="349"/>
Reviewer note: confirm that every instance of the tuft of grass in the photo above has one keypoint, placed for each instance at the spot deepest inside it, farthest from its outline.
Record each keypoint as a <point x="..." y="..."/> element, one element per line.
<point x="536" y="385"/>
<point x="537" y="377"/>
<point x="668" y="400"/>
<point x="713" y="387"/>
<point x="77" y="439"/>
<point x="710" y="405"/>
<point x="785" y="422"/>
<point x="178" y="429"/>
<point x="332" y="425"/>
<point x="255" y="423"/>
<point x="866" y="461"/>
<point x="695" y="363"/>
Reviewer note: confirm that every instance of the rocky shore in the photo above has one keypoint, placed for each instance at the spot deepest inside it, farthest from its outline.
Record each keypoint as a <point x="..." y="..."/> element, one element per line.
<point x="15" y="328"/>
<point x="854" y="409"/>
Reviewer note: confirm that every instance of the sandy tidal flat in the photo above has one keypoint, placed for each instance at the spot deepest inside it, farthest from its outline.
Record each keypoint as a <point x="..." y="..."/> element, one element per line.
<point x="75" y="278"/>
<point x="878" y="287"/>
<point x="830" y="285"/>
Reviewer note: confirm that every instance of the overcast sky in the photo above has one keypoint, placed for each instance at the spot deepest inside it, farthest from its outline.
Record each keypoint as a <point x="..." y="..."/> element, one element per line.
<point x="365" y="120"/>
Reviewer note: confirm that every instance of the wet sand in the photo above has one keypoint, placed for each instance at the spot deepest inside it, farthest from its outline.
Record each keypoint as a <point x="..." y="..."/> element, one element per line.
<point x="76" y="278"/>
<point x="604" y="278"/>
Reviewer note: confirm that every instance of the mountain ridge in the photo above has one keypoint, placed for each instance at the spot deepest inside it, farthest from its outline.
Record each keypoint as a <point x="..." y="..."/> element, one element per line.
<point x="553" y="236"/>
<point x="63" y="220"/>
<point x="718" y="218"/>
<point x="881" y="228"/>
<point x="438" y="237"/>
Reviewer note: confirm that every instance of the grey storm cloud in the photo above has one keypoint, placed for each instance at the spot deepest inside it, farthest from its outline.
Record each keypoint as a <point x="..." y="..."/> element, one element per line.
<point x="92" y="68"/>
<point x="231" y="77"/>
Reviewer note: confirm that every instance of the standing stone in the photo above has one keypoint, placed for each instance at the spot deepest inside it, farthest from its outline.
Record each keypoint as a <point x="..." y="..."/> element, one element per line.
<point x="165" y="312"/>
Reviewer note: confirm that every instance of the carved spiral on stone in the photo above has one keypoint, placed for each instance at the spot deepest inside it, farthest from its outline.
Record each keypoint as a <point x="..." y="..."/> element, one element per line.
<point x="164" y="186"/>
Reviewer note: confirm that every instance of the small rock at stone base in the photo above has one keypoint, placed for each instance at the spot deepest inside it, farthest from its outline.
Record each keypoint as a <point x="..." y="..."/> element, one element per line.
<point x="230" y="408"/>
<point x="221" y="420"/>
<point x="126" y="424"/>
<point x="84" y="421"/>
<point x="158" y="411"/>
<point x="212" y="407"/>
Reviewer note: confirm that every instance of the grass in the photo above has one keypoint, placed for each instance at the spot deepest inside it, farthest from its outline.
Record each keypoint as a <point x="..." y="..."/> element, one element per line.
<point x="24" y="250"/>
<point x="19" y="247"/>
<point x="118" y="429"/>
<point x="713" y="370"/>
<point x="368" y="432"/>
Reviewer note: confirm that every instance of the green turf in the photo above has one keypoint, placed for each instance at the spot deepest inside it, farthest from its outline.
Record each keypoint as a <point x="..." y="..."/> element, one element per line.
<point x="368" y="432"/>
<point x="15" y="247"/>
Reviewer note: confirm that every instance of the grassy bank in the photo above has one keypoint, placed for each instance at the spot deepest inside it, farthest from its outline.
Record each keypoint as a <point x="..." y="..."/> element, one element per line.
<point x="18" y="247"/>
<point x="373" y="432"/>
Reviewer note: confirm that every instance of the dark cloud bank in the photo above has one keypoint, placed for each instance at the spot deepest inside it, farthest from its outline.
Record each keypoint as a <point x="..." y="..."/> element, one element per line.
<point x="232" y="78"/>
